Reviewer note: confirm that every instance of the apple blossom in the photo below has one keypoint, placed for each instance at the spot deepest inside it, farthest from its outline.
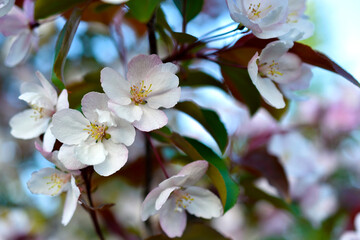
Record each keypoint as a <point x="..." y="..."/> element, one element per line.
<point x="5" y="6"/>
<point x="96" y="139"/>
<point x="114" y="1"/>
<point x="19" y="24"/>
<point x="353" y="235"/>
<point x="176" y="194"/>
<point x="275" y="64"/>
<point x="44" y="102"/>
<point x="151" y="84"/>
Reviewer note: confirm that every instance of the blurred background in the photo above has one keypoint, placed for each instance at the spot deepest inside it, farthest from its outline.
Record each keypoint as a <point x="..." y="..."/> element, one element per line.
<point x="323" y="167"/>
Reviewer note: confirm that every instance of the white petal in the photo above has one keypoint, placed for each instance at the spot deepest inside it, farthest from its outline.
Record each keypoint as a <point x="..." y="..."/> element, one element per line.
<point x="13" y="23"/>
<point x="124" y="133"/>
<point x="160" y="80"/>
<point x="350" y="235"/>
<point x="91" y="153"/>
<point x="274" y="50"/>
<point x="167" y="99"/>
<point x="93" y="101"/>
<point x="163" y="197"/>
<point x="290" y="67"/>
<point x="67" y="157"/>
<point x="129" y="112"/>
<point x="62" y="102"/>
<point x="195" y="171"/>
<point x="357" y="223"/>
<point x="48" y="181"/>
<point x="148" y="206"/>
<point x="139" y="67"/>
<point x="70" y="202"/>
<point x="114" y="1"/>
<point x="205" y="204"/>
<point x="8" y="4"/>
<point x="269" y="92"/>
<point x="19" y="49"/>
<point x="69" y="126"/>
<point x="49" y="89"/>
<point x="115" y="86"/>
<point x="173" y="222"/>
<point x="49" y="140"/>
<point x="177" y="180"/>
<point x="25" y="125"/>
<point x="116" y="159"/>
<point x="29" y="7"/>
<point x="151" y="119"/>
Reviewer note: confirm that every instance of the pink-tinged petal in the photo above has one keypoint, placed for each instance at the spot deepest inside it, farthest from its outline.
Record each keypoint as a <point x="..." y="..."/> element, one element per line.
<point x="114" y="1"/>
<point x="48" y="88"/>
<point x="289" y="67"/>
<point x="116" y="159"/>
<point x="240" y="16"/>
<point x="151" y="119"/>
<point x="177" y="180"/>
<point x="19" y="49"/>
<point x="6" y="6"/>
<point x="205" y="204"/>
<point x="91" y="153"/>
<point x="48" y="181"/>
<point x="69" y="126"/>
<point x="45" y="154"/>
<point x="350" y="235"/>
<point x="129" y="112"/>
<point x="124" y="133"/>
<point x="148" y="206"/>
<point x="49" y="140"/>
<point x="29" y="6"/>
<point x="93" y="101"/>
<point x="167" y="99"/>
<point x="160" y="81"/>
<point x="172" y="221"/>
<point x="67" y="157"/>
<point x="72" y="197"/>
<point x="277" y="15"/>
<point x="163" y="197"/>
<point x="303" y="82"/>
<point x="62" y="102"/>
<point x="274" y="50"/>
<point x="195" y="171"/>
<point x="115" y="86"/>
<point x="357" y="223"/>
<point x="11" y="25"/>
<point x="139" y="67"/>
<point x="25" y="125"/>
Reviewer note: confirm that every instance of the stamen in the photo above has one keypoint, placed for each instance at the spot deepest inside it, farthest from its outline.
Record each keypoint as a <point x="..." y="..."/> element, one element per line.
<point x="183" y="200"/>
<point x="254" y="10"/>
<point x="139" y="93"/>
<point x="38" y="112"/>
<point x="56" y="182"/>
<point x="97" y="131"/>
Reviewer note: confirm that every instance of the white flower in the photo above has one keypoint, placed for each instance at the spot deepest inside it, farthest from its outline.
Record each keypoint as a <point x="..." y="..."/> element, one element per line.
<point x="96" y="139"/>
<point x="44" y="102"/>
<point x="114" y="1"/>
<point x="19" y="24"/>
<point x="151" y="85"/>
<point x="266" y="19"/>
<point x="275" y="64"/>
<point x="5" y="6"/>
<point x="51" y="181"/>
<point x="176" y="194"/>
<point x="353" y="235"/>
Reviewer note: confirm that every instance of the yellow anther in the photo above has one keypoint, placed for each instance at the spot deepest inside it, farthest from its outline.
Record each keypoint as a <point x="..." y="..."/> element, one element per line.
<point x="97" y="131"/>
<point x="55" y="181"/>
<point x="38" y="112"/>
<point x="254" y="10"/>
<point x="139" y="93"/>
<point x="274" y="69"/>
<point x="183" y="200"/>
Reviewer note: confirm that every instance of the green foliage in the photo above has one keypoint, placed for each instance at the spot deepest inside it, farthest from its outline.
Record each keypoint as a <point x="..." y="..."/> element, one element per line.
<point x="142" y="10"/>
<point x="208" y="119"/>
<point x="183" y="38"/>
<point x="44" y="9"/>
<point x="193" y="8"/>
<point x="196" y="78"/>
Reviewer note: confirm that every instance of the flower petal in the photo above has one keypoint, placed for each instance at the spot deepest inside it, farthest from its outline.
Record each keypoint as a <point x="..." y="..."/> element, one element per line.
<point x="19" y="49"/>
<point x="195" y="171"/>
<point x="48" y="181"/>
<point x="49" y="140"/>
<point x="162" y="79"/>
<point x="124" y="132"/>
<point x="91" y="153"/>
<point x="14" y="22"/>
<point x="25" y="125"/>
<point x="116" y="159"/>
<point x="29" y="7"/>
<point x="176" y="180"/>
<point x="62" y="102"/>
<point x="172" y="222"/>
<point x="151" y="119"/>
<point x="205" y="204"/>
<point x="167" y="99"/>
<point x="139" y="67"/>
<point x="48" y="88"/>
<point x="69" y="126"/>
<point x="163" y="197"/>
<point x="93" y="101"/>
<point x="148" y="206"/>
<point x="129" y="112"/>
<point x="350" y="235"/>
<point x="114" y="1"/>
<point x="115" y="86"/>
<point x="70" y="202"/>
<point x="269" y="92"/>
<point x="274" y="50"/>
<point x="67" y="157"/>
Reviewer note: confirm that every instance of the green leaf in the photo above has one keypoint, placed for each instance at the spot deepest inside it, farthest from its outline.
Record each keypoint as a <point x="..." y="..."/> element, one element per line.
<point x="142" y="10"/>
<point x="208" y="119"/>
<point x="195" y="232"/>
<point x="193" y="8"/>
<point x="44" y="8"/>
<point x="183" y="37"/>
<point x="196" y="78"/>
<point x="62" y="47"/>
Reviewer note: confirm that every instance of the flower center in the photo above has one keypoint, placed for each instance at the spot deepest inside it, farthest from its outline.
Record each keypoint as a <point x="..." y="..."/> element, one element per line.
<point x="254" y="11"/>
<point x="56" y="181"/>
<point x="270" y="70"/>
<point x="139" y="93"/>
<point x="97" y="131"/>
<point x="38" y="112"/>
<point x="183" y="200"/>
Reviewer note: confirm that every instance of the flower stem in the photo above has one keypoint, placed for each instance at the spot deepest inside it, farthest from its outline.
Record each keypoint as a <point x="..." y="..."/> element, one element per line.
<point x="87" y="174"/>
<point x="157" y="156"/>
